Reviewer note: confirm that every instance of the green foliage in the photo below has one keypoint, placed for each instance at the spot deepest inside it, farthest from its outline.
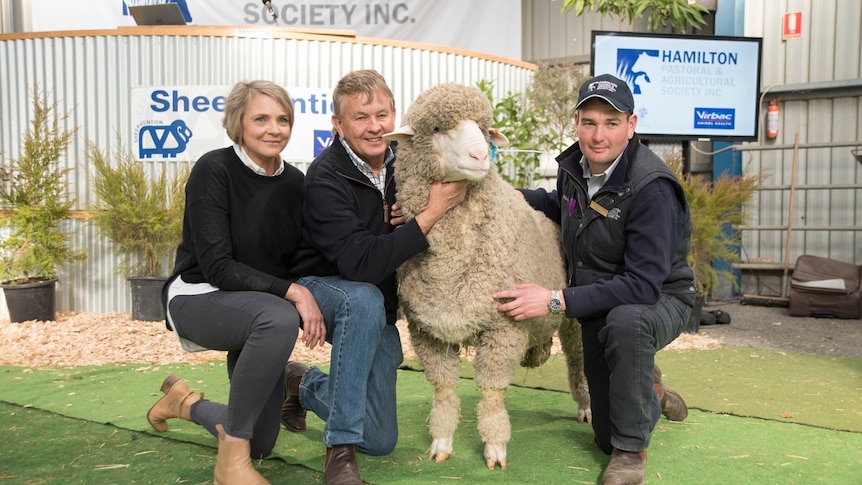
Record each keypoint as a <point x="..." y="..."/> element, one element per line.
<point x="141" y="216"/>
<point x="553" y="94"/>
<point x="33" y="196"/>
<point x="539" y="121"/>
<point x="679" y="14"/>
<point x="717" y="207"/>
<point x="517" y="161"/>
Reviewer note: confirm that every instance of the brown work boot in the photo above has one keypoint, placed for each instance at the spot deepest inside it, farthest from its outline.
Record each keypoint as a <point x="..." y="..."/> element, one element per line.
<point x="672" y="405"/>
<point x="176" y="403"/>
<point x="625" y="468"/>
<point x="340" y="467"/>
<point x="292" y="412"/>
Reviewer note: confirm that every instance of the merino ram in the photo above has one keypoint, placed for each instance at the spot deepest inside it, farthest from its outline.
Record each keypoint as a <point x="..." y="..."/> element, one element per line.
<point x="492" y="241"/>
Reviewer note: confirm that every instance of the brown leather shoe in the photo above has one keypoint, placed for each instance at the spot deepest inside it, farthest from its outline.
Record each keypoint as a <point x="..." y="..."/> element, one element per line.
<point x="625" y="468"/>
<point x="340" y="467"/>
<point x="292" y="412"/>
<point x="672" y="404"/>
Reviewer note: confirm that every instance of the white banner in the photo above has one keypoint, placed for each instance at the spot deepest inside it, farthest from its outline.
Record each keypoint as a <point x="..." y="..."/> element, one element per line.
<point x="686" y="86"/>
<point x="492" y="28"/>
<point x="184" y="122"/>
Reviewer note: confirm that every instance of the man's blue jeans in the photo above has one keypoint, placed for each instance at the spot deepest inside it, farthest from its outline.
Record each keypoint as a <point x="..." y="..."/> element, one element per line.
<point x="357" y="398"/>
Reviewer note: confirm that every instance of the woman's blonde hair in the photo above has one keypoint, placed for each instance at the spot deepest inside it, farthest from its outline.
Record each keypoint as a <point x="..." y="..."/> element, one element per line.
<point x="239" y="97"/>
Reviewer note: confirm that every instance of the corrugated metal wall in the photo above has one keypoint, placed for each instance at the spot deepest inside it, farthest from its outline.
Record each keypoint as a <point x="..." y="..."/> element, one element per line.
<point x="817" y="79"/>
<point x="550" y="36"/>
<point x="92" y="74"/>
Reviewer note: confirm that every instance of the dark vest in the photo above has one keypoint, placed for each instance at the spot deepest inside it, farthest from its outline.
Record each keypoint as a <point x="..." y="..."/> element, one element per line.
<point x="597" y="253"/>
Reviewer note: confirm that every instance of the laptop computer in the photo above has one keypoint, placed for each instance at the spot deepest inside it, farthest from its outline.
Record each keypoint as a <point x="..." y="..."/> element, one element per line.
<point x="161" y="14"/>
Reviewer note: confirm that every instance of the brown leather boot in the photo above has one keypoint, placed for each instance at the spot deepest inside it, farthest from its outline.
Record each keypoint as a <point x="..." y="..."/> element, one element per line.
<point x="340" y="467"/>
<point x="233" y="465"/>
<point x="672" y="404"/>
<point x="176" y="403"/>
<point x="625" y="468"/>
<point x="292" y="412"/>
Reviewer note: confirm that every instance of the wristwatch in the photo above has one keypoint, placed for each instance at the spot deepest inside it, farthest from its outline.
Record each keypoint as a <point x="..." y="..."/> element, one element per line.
<point x="555" y="304"/>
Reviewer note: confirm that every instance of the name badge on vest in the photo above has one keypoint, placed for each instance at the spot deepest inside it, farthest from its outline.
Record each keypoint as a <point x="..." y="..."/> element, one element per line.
<point x="598" y="208"/>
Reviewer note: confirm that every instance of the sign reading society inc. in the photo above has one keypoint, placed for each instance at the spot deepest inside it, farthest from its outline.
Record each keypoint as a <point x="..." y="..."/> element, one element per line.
<point x="184" y="122"/>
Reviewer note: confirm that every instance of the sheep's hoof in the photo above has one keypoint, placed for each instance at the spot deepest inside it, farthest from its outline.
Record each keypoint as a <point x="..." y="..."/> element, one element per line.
<point x="441" y="449"/>
<point x="438" y="457"/>
<point x="585" y="415"/>
<point x="495" y="455"/>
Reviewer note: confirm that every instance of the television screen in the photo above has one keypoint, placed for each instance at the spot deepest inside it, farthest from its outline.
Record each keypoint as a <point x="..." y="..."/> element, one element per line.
<point x="686" y="86"/>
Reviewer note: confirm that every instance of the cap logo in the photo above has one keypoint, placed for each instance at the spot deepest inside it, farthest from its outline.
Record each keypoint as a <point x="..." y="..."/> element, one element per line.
<point x="604" y="86"/>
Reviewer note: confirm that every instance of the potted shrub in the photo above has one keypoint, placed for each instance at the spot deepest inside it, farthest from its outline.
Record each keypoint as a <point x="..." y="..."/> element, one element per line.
<point x="717" y="207"/>
<point x="142" y="217"/>
<point x="34" y="199"/>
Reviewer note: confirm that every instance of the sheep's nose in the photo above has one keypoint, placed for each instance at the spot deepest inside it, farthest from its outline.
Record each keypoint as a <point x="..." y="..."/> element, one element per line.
<point x="480" y="155"/>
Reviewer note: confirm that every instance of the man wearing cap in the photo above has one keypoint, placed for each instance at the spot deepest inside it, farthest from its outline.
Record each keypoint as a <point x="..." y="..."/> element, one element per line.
<point x="626" y="233"/>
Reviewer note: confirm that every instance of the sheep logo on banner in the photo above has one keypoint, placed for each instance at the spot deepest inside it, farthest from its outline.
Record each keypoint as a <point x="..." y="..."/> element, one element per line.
<point x="165" y="141"/>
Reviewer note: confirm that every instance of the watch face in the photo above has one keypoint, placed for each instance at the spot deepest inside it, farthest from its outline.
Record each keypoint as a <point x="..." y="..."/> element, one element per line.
<point x="555" y="304"/>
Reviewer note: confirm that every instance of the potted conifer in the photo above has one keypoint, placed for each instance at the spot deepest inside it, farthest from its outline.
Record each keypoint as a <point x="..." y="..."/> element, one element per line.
<point x="717" y="207"/>
<point x="142" y="217"/>
<point x="34" y="198"/>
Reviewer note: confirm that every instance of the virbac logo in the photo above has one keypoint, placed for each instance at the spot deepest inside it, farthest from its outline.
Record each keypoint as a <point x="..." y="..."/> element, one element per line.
<point x="322" y="140"/>
<point x="715" y="118"/>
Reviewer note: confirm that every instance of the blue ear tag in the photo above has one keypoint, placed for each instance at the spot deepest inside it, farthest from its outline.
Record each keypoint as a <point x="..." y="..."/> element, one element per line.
<point x="493" y="149"/>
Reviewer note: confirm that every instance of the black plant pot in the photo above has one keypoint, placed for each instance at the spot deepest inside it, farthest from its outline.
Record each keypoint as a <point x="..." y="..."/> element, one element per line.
<point x="147" y="298"/>
<point x="31" y="301"/>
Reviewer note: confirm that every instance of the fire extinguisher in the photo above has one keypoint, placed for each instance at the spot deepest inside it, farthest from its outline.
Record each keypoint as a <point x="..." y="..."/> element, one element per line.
<point x="772" y="119"/>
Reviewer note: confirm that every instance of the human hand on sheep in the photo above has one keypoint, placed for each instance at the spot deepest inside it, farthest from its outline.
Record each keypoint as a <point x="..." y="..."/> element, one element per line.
<point x="313" y="328"/>
<point x="443" y="197"/>
<point x="396" y="215"/>
<point x="526" y="300"/>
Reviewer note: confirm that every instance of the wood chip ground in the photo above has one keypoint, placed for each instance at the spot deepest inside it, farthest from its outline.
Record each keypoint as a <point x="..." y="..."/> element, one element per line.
<point x="83" y="339"/>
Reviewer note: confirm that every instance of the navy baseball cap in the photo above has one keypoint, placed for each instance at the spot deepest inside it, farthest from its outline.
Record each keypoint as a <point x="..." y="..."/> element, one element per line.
<point x="610" y="89"/>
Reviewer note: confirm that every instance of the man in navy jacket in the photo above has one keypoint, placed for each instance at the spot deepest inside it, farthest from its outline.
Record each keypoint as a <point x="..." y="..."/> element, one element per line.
<point x="626" y="234"/>
<point x="357" y="238"/>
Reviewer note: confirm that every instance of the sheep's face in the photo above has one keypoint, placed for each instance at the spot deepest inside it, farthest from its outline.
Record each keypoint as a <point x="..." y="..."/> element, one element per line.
<point x="464" y="152"/>
<point x="447" y="135"/>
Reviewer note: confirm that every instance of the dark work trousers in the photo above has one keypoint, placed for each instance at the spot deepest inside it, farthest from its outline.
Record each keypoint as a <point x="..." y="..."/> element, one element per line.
<point x="619" y="355"/>
<point x="258" y="330"/>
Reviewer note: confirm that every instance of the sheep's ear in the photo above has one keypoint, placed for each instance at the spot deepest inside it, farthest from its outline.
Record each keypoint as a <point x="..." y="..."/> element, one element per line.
<point x="498" y="138"/>
<point x="405" y="132"/>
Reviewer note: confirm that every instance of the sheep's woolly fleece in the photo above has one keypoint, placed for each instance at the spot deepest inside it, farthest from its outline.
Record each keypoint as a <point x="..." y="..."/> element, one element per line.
<point x="488" y="243"/>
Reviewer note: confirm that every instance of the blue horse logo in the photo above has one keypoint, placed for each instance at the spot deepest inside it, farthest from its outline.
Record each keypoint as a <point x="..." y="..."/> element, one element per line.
<point x="634" y="65"/>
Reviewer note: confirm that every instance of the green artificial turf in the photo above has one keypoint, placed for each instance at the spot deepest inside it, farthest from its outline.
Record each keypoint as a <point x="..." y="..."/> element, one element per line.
<point x="756" y="417"/>
<point x="811" y="389"/>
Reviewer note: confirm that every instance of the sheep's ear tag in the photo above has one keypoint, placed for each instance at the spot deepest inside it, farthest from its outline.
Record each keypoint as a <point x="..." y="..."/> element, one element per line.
<point x="496" y="139"/>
